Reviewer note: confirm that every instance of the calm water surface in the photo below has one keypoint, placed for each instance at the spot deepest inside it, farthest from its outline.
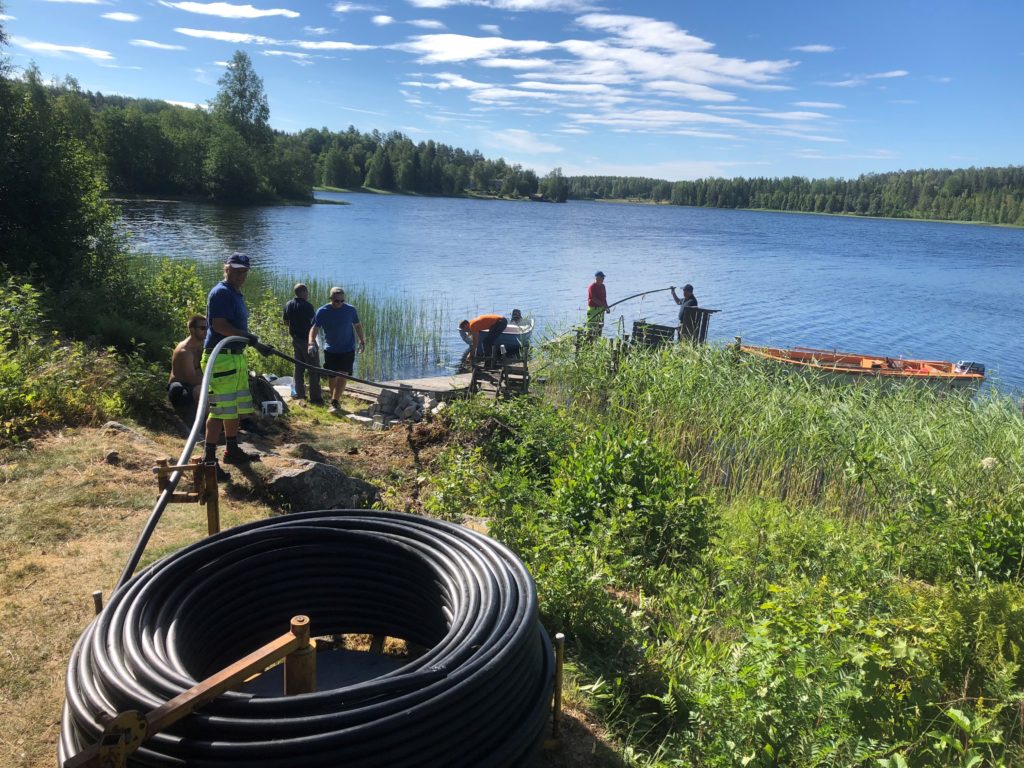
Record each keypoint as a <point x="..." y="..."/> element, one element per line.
<point x="917" y="289"/>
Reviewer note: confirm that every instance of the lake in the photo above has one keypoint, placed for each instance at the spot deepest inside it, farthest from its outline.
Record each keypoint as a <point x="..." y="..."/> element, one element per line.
<point x="911" y="288"/>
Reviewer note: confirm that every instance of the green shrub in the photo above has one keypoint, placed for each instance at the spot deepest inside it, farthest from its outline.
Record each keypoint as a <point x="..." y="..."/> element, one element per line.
<point x="642" y="508"/>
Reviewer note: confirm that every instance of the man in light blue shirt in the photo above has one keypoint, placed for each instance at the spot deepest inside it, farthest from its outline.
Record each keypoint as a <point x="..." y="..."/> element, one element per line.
<point x="341" y="326"/>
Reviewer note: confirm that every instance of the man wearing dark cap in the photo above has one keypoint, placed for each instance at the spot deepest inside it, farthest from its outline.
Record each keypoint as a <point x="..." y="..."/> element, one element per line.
<point x="227" y="315"/>
<point x="687" y="315"/>
<point x="597" y="305"/>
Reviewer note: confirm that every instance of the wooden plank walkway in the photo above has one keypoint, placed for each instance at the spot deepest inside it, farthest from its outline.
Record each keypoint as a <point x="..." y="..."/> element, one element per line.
<point x="441" y="387"/>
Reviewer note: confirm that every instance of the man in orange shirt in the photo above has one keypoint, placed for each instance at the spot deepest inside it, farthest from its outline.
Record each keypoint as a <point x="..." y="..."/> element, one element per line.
<point x="493" y="324"/>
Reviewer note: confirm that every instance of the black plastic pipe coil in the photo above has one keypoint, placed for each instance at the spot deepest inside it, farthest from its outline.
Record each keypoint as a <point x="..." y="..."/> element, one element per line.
<point x="479" y="697"/>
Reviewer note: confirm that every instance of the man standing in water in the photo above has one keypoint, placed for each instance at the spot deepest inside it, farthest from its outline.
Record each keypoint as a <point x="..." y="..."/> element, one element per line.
<point x="597" y="305"/>
<point x="341" y="325"/>
<point x="687" y="315"/>
<point x="227" y="315"/>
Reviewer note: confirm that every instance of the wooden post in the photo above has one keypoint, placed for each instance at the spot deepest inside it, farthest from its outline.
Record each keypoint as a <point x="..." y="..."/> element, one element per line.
<point x="161" y="474"/>
<point x="300" y="664"/>
<point x="556" y="713"/>
<point x="97" y="601"/>
<point x="212" y="494"/>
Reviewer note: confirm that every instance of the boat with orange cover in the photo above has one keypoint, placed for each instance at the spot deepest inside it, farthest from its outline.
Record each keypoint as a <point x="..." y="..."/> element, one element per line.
<point x="851" y="366"/>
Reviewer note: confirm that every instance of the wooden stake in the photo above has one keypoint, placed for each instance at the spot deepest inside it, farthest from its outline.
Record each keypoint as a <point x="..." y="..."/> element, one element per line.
<point x="97" y="601"/>
<point x="300" y="664"/>
<point x="556" y="714"/>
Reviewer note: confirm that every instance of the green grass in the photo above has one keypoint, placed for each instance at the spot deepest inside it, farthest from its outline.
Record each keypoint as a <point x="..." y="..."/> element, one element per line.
<point x="759" y="569"/>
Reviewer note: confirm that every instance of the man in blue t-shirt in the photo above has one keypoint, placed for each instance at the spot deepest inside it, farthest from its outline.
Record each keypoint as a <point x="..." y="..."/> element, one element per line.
<point x="340" y="323"/>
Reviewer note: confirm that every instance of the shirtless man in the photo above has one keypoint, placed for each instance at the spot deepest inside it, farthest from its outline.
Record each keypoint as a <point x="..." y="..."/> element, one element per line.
<point x="186" y="374"/>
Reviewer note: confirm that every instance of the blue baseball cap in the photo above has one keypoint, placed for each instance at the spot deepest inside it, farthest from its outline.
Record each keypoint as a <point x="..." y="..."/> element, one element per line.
<point x="238" y="261"/>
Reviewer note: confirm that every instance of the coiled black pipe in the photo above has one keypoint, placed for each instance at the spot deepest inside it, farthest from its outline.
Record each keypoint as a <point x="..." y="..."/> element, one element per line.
<point x="478" y="697"/>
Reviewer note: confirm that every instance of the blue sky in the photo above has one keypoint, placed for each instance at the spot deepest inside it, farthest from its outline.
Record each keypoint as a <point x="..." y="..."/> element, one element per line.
<point x="675" y="90"/>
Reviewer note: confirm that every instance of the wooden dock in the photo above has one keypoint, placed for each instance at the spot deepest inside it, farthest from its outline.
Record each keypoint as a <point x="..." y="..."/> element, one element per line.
<point x="442" y="388"/>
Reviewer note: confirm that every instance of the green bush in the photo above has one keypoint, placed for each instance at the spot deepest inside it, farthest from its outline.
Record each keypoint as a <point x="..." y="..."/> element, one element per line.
<point x="643" y="509"/>
<point x="47" y="381"/>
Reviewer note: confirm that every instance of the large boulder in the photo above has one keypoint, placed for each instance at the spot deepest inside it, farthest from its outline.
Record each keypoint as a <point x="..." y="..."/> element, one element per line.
<point x="308" y="485"/>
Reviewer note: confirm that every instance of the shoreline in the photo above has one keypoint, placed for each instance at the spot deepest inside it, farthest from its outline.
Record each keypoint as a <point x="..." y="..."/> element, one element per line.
<point x="629" y="201"/>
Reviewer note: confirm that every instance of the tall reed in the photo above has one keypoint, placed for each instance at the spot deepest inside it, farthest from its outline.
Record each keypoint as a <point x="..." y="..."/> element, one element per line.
<point x="404" y="335"/>
<point x="753" y="428"/>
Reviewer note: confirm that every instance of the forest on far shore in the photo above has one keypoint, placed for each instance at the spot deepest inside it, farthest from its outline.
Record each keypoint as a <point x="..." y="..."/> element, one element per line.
<point x="228" y="152"/>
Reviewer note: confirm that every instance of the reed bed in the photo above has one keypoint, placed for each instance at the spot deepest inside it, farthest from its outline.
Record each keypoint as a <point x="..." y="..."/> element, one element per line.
<point x="752" y="428"/>
<point x="404" y="335"/>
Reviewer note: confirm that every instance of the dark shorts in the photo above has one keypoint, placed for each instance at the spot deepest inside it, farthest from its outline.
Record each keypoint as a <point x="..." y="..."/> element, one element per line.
<point x="180" y="394"/>
<point x="340" y="361"/>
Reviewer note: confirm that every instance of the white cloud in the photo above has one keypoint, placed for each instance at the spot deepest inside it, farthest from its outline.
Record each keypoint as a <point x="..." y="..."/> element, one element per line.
<point x="851" y="82"/>
<point x="383" y="21"/>
<point x="855" y="80"/>
<point x="936" y="79"/>
<point x="677" y="170"/>
<point x="819" y="104"/>
<point x="78" y="2"/>
<point x="349" y="7"/>
<point x="904" y="101"/>
<point x="317" y="30"/>
<point x="332" y="45"/>
<point x="522" y="141"/>
<point x="797" y="116"/>
<point x="426" y="23"/>
<point x="644" y="32"/>
<point x="491" y="29"/>
<point x="117" y="16"/>
<point x="653" y="119"/>
<point x="226" y="37"/>
<point x="7" y="17"/>
<point x="813" y="48"/>
<point x="302" y="59"/>
<point x="514" y="63"/>
<point x="573" y="131"/>
<point x="62" y="50"/>
<point x="433" y="49"/>
<point x="188" y="104"/>
<point x="157" y="46"/>
<point x="229" y="11"/>
<point x="692" y="91"/>
<point x="508" y="5"/>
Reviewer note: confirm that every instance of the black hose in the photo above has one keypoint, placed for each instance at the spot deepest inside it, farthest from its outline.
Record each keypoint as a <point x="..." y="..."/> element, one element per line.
<point x="479" y="696"/>
<point x="272" y="350"/>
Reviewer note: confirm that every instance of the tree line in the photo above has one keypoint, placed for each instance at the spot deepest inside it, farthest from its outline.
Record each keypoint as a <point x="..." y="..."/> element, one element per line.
<point x="993" y="195"/>
<point x="229" y="153"/>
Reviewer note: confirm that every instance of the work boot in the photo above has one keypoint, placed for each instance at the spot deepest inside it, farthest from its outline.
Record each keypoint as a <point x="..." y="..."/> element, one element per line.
<point x="238" y="456"/>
